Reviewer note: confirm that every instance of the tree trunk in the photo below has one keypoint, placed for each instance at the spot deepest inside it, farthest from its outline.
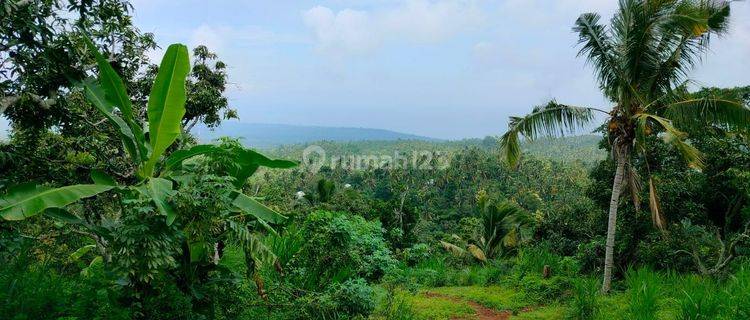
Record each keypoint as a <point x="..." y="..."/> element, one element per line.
<point x="621" y="158"/>
<point x="191" y="125"/>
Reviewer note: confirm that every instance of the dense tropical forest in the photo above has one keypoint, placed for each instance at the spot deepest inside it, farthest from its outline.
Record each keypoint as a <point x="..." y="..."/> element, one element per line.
<point x="112" y="208"/>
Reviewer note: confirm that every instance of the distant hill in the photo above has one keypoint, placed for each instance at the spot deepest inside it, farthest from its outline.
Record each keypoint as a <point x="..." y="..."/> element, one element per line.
<point x="260" y="135"/>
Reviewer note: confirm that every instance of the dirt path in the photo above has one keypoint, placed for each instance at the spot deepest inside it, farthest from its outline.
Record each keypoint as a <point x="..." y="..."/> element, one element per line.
<point x="482" y="312"/>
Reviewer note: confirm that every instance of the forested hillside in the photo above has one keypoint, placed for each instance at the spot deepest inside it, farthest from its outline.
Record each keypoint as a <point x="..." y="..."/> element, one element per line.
<point x="584" y="148"/>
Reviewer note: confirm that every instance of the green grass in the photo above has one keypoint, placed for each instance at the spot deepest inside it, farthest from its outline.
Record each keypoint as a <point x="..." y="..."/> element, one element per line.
<point x="613" y="306"/>
<point x="438" y="308"/>
<point x="553" y="312"/>
<point x="495" y="297"/>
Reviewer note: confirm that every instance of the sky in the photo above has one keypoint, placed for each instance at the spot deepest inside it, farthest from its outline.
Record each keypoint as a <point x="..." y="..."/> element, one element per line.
<point x="440" y="68"/>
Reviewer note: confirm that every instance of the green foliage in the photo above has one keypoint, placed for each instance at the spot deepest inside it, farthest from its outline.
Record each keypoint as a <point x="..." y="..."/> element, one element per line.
<point x="143" y="245"/>
<point x="538" y="288"/>
<point x="26" y="200"/>
<point x="169" y="234"/>
<point x="205" y="88"/>
<point x="45" y="40"/>
<point x="549" y="120"/>
<point x="39" y="292"/>
<point x="325" y="190"/>
<point x="641" y="62"/>
<point x="700" y="299"/>
<point x="166" y="104"/>
<point x="535" y="259"/>
<point x="416" y="254"/>
<point x="645" y="292"/>
<point x="505" y="225"/>
<point x="393" y="304"/>
<point x="340" y="246"/>
<point x="139" y="240"/>
<point x="584" y="303"/>
<point x="737" y="299"/>
<point x="353" y="297"/>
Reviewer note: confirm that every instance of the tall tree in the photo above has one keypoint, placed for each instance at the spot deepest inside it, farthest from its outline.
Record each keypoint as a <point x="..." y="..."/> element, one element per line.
<point x="641" y="62"/>
<point x="206" y="102"/>
<point x="41" y="48"/>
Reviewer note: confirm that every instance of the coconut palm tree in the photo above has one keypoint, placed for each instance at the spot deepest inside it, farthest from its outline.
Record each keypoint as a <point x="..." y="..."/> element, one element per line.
<point x="641" y="61"/>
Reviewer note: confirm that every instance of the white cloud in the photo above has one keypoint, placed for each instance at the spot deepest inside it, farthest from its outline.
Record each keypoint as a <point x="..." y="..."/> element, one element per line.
<point x="220" y="38"/>
<point x="212" y="37"/>
<point x="350" y="31"/>
<point x="429" y="22"/>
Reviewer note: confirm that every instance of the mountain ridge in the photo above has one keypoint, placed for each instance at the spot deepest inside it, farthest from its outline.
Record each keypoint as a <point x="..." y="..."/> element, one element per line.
<point x="269" y="134"/>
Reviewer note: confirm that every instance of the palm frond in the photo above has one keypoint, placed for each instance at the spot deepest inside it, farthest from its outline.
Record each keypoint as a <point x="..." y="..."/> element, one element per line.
<point x="250" y="242"/>
<point x="455" y="250"/>
<point x="477" y="253"/>
<point x="671" y="135"/>
<point x="598" y="50"/>
<point x="684" y="37"/>
<point x="550" y="120"/>
<point x="638" y="34"/>
<point x="653" y="202"/>
<point x="511" y="238"/>
<point x="634" y="186"/>
<point x="696" y="113"/>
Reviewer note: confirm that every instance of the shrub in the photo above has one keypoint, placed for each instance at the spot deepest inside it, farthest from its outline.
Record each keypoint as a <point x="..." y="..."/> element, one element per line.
<point x="340" y="246"/>
<point x="591" y="255"/>
<point x="416" y="254"/>
<point x="393" y="305"/>
<point x="700" y="298"/>
<point x="38" y="292"/>
<point x="168" y="302"/>
<point x="534" y="259"/>
<point x="353" y="297"/>
<point x="644" y="293"/>
<point x="737" y="304"/>
<point x="539" y="289"/>
<point x="584" y="304"/>
<point x="348" y="300"/>
<point x="432" y="272"/>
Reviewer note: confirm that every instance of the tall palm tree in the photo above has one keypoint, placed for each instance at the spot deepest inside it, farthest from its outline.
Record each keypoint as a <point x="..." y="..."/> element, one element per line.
<point x="641" y="62"/>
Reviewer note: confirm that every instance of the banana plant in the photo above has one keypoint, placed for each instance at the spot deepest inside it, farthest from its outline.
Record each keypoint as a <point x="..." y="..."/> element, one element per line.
<point x="146" y="146"/>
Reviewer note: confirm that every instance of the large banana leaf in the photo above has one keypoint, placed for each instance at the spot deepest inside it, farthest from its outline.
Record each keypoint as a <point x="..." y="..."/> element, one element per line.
<point x="95" y="95"/>
<point x="251" y="206"/>
<point x="176" y="158"/>
<point x="116" y="94"/>
<point x="99" y="177"/>
<point x="76" y="255"/>
<point x="62" y="215"/>
<point x="248" y="161"/>
<point x="29" y="199"/>
<point x="166" y="105"/>
<point x="112" y="83"/>
<point x="159" y="190"/>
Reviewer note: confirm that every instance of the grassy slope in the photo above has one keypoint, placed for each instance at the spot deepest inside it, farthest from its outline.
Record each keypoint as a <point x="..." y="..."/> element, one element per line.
<point x="428" y="306"/>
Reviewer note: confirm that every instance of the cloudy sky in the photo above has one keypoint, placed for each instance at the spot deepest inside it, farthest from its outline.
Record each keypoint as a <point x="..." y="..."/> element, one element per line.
<point x="441" y="68"/>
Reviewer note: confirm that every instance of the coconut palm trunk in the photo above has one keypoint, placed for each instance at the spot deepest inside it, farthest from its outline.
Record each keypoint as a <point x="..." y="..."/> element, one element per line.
<point x="621" y="159"/>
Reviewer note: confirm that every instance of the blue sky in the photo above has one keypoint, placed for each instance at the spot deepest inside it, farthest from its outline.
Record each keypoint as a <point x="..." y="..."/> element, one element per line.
<point x="441" y="68"/>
